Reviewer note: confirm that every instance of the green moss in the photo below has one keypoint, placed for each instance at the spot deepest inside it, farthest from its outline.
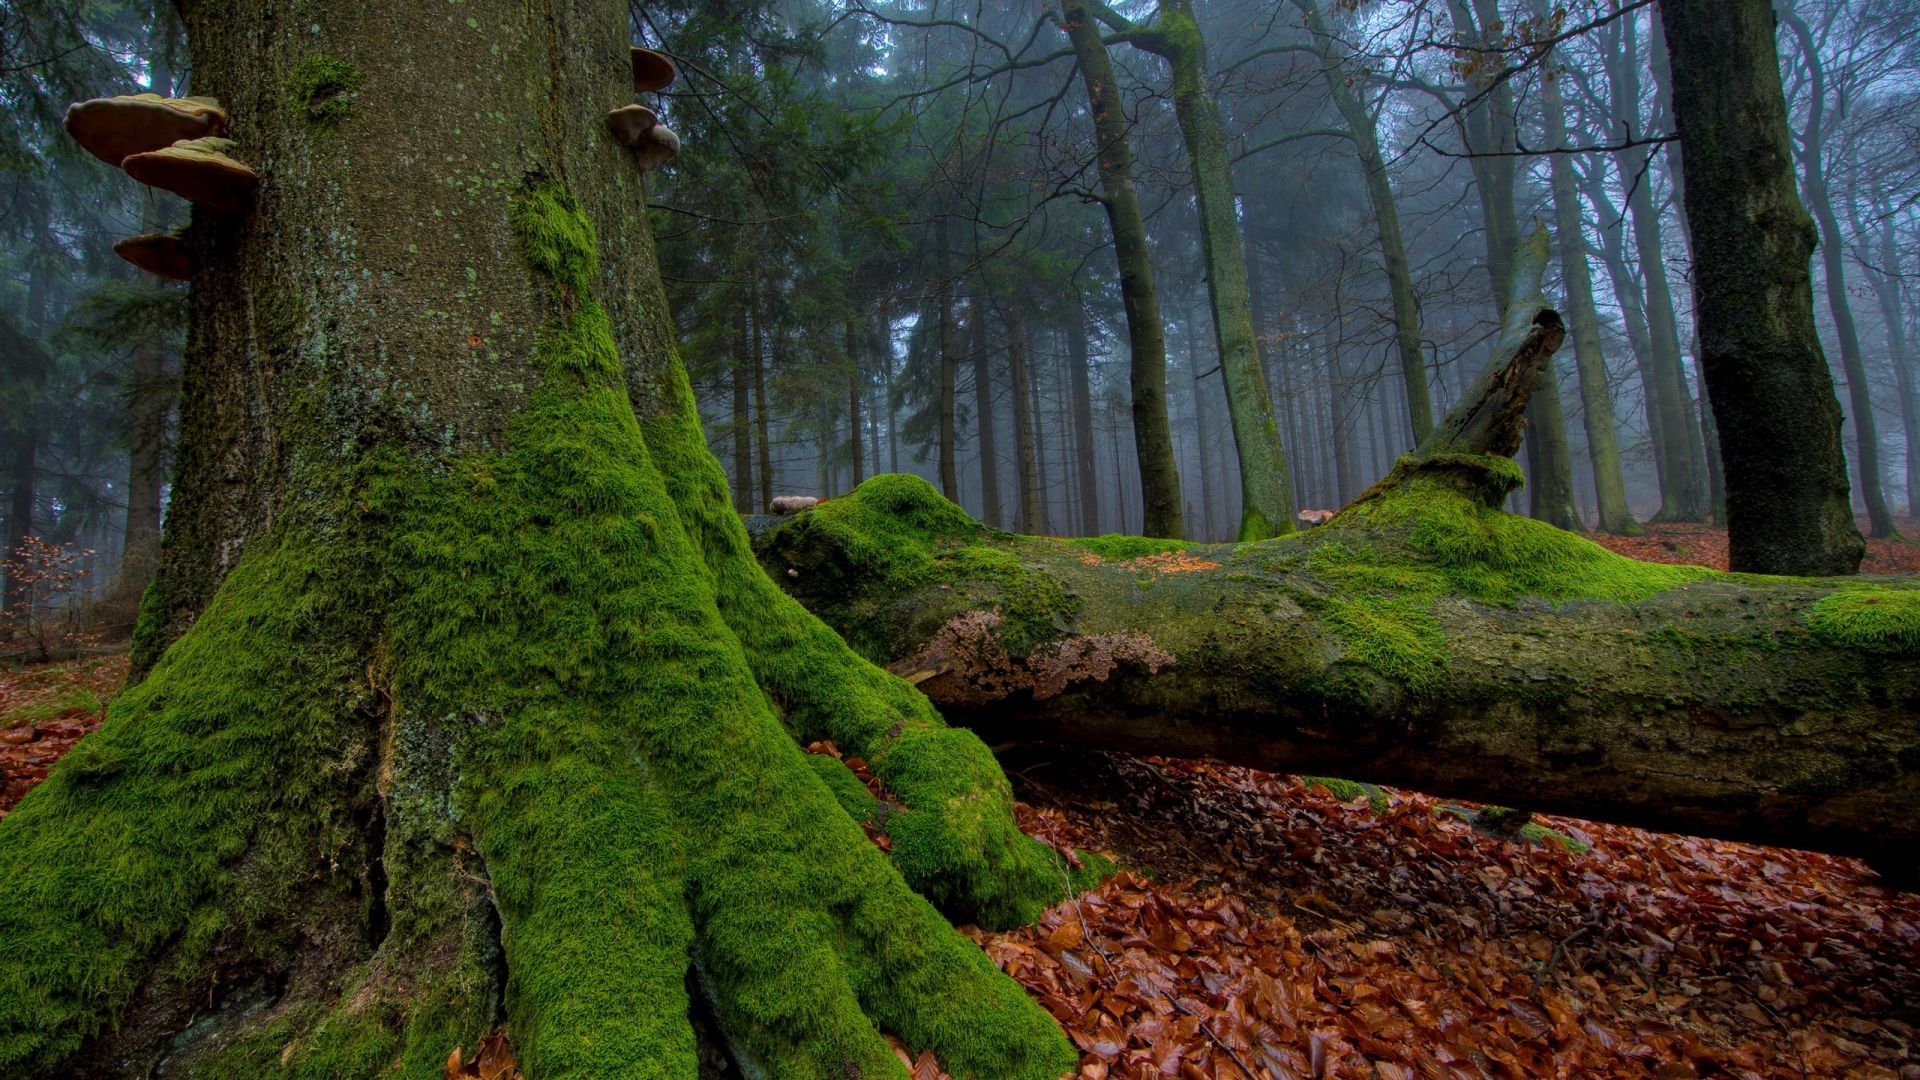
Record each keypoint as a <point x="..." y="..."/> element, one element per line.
<point x="892" y="525"/>
<point x="241" y="742"/>
<point x="559" y="609"/>
<point x="322" y="87"/>
<point x="1874" y="618"/>
<point x="1118" y="547"/>
<point x="859" y="803"/>
<point x="1349" y="790"/>
<point x="1395" y="636"/>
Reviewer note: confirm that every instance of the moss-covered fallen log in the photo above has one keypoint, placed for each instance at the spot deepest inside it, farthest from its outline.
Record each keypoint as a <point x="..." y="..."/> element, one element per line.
<point x="1422" y="637"/>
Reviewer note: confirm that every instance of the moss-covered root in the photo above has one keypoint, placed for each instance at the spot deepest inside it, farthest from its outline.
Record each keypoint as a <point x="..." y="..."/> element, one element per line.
<point x="125" y="866"/>
<point x="956" y="841"/>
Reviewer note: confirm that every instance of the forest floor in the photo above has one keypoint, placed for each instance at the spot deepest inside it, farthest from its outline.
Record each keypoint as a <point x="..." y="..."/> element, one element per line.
<point x="1706" y="545"/>
<point x="1264" y="928"/>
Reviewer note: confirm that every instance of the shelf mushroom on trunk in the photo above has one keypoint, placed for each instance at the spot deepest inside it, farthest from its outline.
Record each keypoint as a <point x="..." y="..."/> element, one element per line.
<point x="653" y="143"/>
<point x="164" y="254"/>
<point x="116" y="128"/>
<point x="199" y="171"/>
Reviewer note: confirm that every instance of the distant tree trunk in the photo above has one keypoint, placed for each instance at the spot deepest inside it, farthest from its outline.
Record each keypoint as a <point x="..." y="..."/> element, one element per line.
<point x="763" y="441"/>
<point x="742" y="426"/>
<point x="1265" y="489"/>
<point x="1079" y="380"/>
<point x="1810" y="150"/>
<point x="1590" y="362"/>
<point x="1888" y="289"/>
<point x="149" y="402"/>
<point x="990" y="511"/>
<point x="1146" y="339"/>
<point x="1787" y="505"/>
<point x="1364" y="130"/>
<point x="25" y="469"/>
<point x="854" y="434"/>
<point x="1031" y="517"/>
<point x="949" y="368"/>
<point x="1678" y="454"/>
<point x="1201" y="426"/>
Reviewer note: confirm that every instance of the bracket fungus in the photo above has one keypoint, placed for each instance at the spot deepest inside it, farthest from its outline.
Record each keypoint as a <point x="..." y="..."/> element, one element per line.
<point x="164" y="254"/>
<point x="116" y="128"/>
<point x="651" y="71"/>
<point x="199" y="171"/>
<point x="630" y="123"/>
<point x="657" y="146"/>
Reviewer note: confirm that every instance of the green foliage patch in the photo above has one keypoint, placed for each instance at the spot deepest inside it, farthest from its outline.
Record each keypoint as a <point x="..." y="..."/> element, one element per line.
<point x="1873" y="618"/>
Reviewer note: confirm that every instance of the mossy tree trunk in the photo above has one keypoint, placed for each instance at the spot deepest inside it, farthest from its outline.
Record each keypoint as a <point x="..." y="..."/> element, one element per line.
<point x="1787" y="505"/>
<point x="1146" y="335"/>
<point x="1266" y="488"/>
<point x="467" y="701"/>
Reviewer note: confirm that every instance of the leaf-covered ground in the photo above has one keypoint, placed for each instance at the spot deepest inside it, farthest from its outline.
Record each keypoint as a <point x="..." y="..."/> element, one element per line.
<point x="1283" y="933"/>
<point x="44" y="710"/>
<point x="1265" y="928"/>
<point x="1706" y="545"/>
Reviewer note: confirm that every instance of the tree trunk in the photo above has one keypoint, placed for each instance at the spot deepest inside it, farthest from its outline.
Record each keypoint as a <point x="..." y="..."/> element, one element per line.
<point x="1363" y="127"/>
<point x="1590" y="362"/>
<point x="149" y="403"/>
<point x="1146" y="338"/>
<point x="1421" y="637"/>
<point x="983" y="405"/>
<point x="1023" y="449"/>
<point x="1888" y="289"/>
<point x="1682" y="477"/>
<point x="949" y="374"/>
<point x="1811" y="150"/>
<point x="1265" y="489"/>
<point x="471" y="715"/>
<point x="1773" y="403"/>
<point x="763" y="441"/>
<point x="742" y="426"/>
<point x="1078" y="380"/>
<point x="853" y="402"/>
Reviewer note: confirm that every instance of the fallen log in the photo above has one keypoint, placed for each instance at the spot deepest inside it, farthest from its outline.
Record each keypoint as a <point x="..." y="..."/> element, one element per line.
<point x="1421" y="637"/>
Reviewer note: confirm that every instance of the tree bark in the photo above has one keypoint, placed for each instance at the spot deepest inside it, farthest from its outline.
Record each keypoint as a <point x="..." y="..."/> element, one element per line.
<point x="1079" y="379"/>
<point x="472" y="715"/>
<point x="1682" y="476"/>
<point x="1421" y="637"/>
<point x="1146" y="336"/>
<point x="763" y="443"/>
<point x="1023" y="442"/>
<point x="1810" y="149"/>
<point x="1266" y="491"/>
<point x="983" y="405"/>
<point x="1590" y="361"/>
<point x="1773" y="403"/>
<point x="742" y="425"/>
<point x="1364" y="129"/>
<point x="949" y="375"/>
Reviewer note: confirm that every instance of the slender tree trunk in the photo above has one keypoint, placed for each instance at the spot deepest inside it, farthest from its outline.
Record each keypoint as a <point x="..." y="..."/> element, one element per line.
<point x="949" y="374"/>
<point x="1079" y="380"/>
<point x="1590" y="362"/>
<point x="1146" y="339"/>
<point x="1787" y="505"/>
<point x="1810" y="149"/>
<point x="742" y="426"/>
<point x="1265" y="489"/>
<point x="763" y="440"/>
<point x="1337" y="75"/>
<point x="990" y="511"/>
<point x="1032" y="518"/>
<point x="1682" y="474"/>
<point x="854" y="434"/>
<point x="1888" y="289"/>
<point x="472" y="715"/>
<point x="1201" y="425"/>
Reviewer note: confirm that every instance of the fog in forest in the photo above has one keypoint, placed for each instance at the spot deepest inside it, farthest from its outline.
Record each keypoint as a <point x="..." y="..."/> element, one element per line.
<point x="889" y="245"/>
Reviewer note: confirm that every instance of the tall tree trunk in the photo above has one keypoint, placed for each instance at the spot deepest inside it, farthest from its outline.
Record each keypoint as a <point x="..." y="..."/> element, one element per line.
<point x="983" y="405"/>
<point x="149" y="403"/>
<point x="1773" y="403"/>
<point x="473" y="716"/>
<point x="742" y="426"/>
<point x="1889" y="289"/>
<point x="1079" y="379"/>
<point x="1032" y="517"/>
<point x="1337" y="75"/>
<point x="1146" y="338"/>
<point x="854" y="433"/>
<point x="949" y="375"/>
<point x="1810" y="149"/>
<point x="1682" y="473"/>
<point x="1201" y="426"/>
<point x="763" y="442"/>
<point x="1266" y="491"/>
<point x="1590" y="361"/>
